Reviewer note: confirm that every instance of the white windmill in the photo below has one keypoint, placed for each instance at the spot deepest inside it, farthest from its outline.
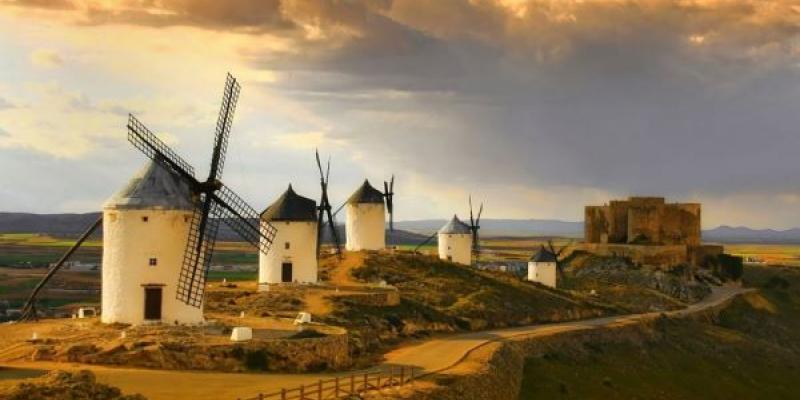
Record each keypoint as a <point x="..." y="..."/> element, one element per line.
<point x="366" y="217"/>
<point x="458" y="241"/>
<point x="455" y="242"/>
<point x="159" y="231"/>
<point x="542" y="267"/>
<point x="293" y="259"/>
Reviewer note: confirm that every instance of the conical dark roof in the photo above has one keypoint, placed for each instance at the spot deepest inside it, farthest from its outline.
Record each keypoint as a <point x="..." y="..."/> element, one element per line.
<point x="291" y="207"/>
<point x="366" y="194"/>
<point x="543" y="255"/>
<point x="455" y="226"/>
<point x="153" y="187"/>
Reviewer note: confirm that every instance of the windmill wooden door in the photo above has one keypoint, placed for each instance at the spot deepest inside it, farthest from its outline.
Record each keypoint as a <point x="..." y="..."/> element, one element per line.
<point x="152" y="303"/>
<point x="286" y="272"/>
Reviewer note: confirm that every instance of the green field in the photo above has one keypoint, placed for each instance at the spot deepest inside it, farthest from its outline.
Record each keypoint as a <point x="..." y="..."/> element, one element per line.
<point x="751" y="352"/>
<point x="233" y="276"/>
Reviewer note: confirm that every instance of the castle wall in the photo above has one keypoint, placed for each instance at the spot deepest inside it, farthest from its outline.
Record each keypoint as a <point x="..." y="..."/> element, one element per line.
<point x="643" y="220"/>
<point x="596" y="224"/>
<point x="681" y="224"/>
<point x="662" y="256"/>
<point x="618" y="221"/>
<point x="697" y="254"/>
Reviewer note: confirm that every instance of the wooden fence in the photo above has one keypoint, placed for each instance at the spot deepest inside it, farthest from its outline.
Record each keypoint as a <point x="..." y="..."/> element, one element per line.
<point x="343" y="387"/>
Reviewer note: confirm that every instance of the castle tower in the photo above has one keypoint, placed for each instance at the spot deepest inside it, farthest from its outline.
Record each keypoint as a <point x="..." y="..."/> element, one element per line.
<point x="542" y="267"/>
<point x="293" y="257"/>
<point x="366" y="219"/>
<point x="455" y="242"/>
<point x="145" y="231"/>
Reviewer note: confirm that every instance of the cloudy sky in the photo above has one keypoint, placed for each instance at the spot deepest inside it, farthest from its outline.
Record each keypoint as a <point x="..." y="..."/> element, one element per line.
<point x="537" y="107"/>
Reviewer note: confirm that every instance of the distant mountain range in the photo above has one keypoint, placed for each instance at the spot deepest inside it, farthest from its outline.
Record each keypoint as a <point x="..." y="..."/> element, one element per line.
<point x="741" y="234"/>
<point x="543" y="227"/>
<point x="407" y="231"/>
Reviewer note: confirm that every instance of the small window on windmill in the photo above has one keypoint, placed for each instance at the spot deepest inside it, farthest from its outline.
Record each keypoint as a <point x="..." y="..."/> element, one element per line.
<point x="145" y="219"/>
<point x="186" y="218"/>
<point x="112" y="217"/>
<point x="286" y="245"/>
<point x="153" y="262"/>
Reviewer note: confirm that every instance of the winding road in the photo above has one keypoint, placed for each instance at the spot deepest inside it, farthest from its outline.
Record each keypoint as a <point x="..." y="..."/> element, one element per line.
<point x="430" y="356"/>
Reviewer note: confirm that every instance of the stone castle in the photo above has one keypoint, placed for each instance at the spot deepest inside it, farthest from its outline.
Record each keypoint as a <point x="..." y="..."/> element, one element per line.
<point x="643" y="220"/>
<point x="648" y="230"/>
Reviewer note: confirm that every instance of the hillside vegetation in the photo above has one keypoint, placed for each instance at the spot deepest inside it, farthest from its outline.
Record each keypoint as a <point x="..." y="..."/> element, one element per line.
<point x="751" y="351"/>
<point x="439" y="296"/>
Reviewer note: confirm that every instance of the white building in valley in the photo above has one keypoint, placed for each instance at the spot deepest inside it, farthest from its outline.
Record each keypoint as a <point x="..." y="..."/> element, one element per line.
<point x="145" y="231"/>
<point x="366" y="219"/>
<point x="293" y="257"/>
<point x="455" y="242"/>
<point x="542" y="267"/>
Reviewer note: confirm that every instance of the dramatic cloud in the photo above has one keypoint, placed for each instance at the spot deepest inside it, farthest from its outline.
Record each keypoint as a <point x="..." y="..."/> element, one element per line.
<point x="539" y="106"/>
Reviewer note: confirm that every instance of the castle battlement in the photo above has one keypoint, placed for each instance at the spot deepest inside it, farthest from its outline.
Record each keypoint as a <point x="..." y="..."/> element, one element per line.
<point x="643" y="220"/>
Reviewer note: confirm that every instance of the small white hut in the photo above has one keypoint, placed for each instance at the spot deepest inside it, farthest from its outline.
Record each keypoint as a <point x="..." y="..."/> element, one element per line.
<point x="366" y="219"/>
<point x="293" y="257"/>
<point x="145" y="231"/>
<point x="455" y="242"/>
<point x="542" y="267"/>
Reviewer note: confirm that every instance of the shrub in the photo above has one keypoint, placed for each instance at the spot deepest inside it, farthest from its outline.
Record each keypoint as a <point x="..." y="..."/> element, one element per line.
<point x="256" y="360"/>
<point x="730" y="267"/>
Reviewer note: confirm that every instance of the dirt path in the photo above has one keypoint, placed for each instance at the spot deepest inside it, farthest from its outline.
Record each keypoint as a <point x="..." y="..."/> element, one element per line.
<point x="340" y="275"/>
<point x="442" y="353"/>
<point x="431" y="356"/>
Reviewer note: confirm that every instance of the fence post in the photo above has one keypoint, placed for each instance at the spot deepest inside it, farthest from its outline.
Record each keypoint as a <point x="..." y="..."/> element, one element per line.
<point x="402" y="375"/>
<point x="261" y="396"/>
<point x="283" y="394"/>
<point x="379" y="381"/>
<point x="366" y="380"/>
<point x="303" y="392"/>
<point x="353" y="384"/>
<point x="319" y="392"/>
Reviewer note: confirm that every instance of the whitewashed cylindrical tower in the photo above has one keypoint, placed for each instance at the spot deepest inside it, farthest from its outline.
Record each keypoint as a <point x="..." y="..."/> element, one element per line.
<point x="455" y="242"/>
<point x="366" y="219"/>
<point x="293" y="257"/>
<point x="542" y="267"/>
<point x="145" y="231"/>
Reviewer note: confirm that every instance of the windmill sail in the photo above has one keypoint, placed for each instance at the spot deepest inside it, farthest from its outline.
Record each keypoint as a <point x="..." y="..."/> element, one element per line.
<point x="215" y="202"/>
<point x="324" y="209"/>
<point x="474" y="226"/>
<point x="388" y="194"/>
